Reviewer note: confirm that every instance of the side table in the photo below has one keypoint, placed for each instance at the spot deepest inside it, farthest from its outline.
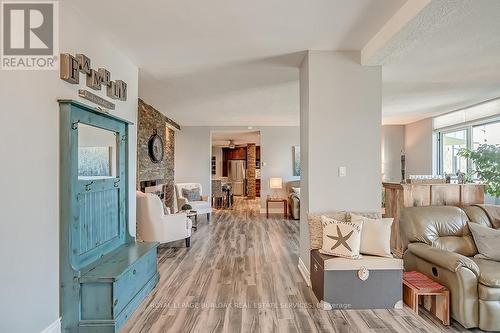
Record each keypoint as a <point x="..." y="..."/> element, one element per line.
<point x="193" y="214"/>
<point x="419" y="289"/>
<point x="285" y="204"/>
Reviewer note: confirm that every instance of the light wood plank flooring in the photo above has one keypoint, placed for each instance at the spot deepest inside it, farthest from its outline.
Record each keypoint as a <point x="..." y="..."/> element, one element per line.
<point x="241" y="275"/>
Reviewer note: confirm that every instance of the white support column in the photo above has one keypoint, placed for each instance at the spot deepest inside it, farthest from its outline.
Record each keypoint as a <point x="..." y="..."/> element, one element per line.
<point x="340" y="110"/>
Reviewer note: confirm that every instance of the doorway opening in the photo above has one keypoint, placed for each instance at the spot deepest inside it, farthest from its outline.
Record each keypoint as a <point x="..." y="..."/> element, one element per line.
<point x="235" y="167"/>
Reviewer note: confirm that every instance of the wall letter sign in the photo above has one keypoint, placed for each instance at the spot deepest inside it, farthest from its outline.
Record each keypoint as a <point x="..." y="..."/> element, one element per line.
<point x="72" y="66"/>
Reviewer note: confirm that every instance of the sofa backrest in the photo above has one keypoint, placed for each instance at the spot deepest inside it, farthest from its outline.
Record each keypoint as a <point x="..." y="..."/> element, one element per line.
<point x="477" y="214"/>
<point x="443" y="227"/>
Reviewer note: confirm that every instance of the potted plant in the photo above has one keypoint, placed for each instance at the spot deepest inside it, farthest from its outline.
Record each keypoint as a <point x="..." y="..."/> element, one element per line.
<point x="486" y="159"/>
<point x="186" y="207"/>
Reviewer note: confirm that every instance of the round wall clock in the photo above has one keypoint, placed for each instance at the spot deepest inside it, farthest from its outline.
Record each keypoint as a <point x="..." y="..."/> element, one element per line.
<point x="155" y="147"/>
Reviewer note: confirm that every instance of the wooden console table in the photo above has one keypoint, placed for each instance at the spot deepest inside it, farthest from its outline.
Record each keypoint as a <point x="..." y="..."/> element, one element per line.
<point x="285" y="204"/>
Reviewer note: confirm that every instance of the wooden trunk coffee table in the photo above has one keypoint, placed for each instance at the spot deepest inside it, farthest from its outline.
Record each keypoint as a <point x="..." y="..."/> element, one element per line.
<point x="419" y="289"/>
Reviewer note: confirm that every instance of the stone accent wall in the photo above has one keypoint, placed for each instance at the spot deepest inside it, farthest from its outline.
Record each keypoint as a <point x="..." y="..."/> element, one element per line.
<point x="251" y="157"/>
<point x="149" y="121"/>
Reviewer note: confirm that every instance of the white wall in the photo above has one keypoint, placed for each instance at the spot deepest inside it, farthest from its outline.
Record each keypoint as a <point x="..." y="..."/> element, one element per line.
<point x="276" y="153"/>
<point x="193" y="153"/>
<point x="29" y="175"/>
<point x="192" y="158"/>
<point x="393" y="143"/>
<point x="419" y="147"/>
<point x="341" y="121"/>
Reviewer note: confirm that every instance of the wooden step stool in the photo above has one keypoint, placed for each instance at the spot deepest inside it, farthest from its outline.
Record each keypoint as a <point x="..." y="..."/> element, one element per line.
<point x="419" y="289"/>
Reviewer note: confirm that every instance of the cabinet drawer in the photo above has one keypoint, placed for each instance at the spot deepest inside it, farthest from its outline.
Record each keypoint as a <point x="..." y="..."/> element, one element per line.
<point x="132" y="280"/>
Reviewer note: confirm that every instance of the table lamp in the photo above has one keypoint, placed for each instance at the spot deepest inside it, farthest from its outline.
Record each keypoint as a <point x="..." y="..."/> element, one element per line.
<point x="275" y="183"/>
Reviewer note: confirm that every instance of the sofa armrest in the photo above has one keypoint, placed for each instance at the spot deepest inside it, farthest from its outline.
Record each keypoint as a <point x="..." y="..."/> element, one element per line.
<point x="445" y="259"/>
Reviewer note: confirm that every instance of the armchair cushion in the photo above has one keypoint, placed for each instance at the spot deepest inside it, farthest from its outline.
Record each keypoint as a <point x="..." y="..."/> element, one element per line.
<point x="193" y="194"/>
<point x="445" y="259"/>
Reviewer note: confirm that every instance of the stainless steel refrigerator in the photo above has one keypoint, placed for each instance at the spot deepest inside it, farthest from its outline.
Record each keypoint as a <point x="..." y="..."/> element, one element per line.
<point x="236" y="172"/>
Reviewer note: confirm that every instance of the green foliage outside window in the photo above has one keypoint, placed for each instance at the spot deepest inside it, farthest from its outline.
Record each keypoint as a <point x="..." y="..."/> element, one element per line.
<point x="486" y="159"/>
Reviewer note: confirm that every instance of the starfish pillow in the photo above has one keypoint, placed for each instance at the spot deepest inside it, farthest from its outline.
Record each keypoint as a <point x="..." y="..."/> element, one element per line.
<point x="341" y="239"/>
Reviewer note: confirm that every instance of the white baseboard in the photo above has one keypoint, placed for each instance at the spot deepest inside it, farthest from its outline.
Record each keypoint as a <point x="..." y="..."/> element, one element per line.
<point x="304" y="272"/>
<point x="55" y="327"/>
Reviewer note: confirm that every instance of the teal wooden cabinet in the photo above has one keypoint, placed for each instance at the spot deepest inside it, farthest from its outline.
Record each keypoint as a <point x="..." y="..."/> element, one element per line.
<point x="105" y="274"/>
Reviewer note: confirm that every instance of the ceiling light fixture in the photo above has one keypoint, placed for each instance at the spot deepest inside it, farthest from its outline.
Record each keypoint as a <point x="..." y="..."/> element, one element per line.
<point x="231" y="144"/>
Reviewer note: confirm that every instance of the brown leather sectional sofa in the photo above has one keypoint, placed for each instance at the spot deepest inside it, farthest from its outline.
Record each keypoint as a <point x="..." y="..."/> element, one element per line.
<point x="440" y="245"/>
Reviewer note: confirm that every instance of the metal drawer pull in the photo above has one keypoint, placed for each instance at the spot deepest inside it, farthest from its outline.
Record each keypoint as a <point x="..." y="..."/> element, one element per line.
<point x="134" y="271"/>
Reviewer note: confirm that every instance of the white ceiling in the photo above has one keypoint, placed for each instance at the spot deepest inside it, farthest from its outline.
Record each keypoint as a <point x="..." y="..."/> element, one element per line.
<point x="223" y="62"/>
<point x="236" y="62"/>
<point x="451" y="61"/>
<point x="221" y="139"/>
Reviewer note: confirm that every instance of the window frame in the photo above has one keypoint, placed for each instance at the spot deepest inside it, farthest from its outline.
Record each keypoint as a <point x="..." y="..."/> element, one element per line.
<point x="440" y="148"/>
<point x="469" y="128"/>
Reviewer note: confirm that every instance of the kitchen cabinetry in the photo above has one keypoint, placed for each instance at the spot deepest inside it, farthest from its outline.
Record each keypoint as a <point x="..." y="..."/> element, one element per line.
<point x="238" y="153"/>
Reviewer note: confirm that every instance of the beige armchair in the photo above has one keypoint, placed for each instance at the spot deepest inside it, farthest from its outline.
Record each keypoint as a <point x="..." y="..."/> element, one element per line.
<point x="153" y="225"/>
<point x="202" y="206"/>
<point x="439" y="245"/>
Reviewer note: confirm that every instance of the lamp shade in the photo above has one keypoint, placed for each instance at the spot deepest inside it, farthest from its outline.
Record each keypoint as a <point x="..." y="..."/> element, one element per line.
<point x="275" y="183"/>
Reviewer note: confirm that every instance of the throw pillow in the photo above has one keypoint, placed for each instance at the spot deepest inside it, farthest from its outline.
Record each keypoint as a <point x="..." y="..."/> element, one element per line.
<point x="191" y="194"/>
<point x="487" y="241"/>
<point x="341" y="239"/>
<point x="375" y="235"/>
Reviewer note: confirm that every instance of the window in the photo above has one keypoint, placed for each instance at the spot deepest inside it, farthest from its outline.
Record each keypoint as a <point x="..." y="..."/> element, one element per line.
<point x="452" y="140"/>
<point x="486" y="133"/>
<point x="465" y="128"/>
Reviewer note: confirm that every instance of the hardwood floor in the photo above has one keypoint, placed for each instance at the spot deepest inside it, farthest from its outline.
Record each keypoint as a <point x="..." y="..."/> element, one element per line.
<point x="241" y="275"/>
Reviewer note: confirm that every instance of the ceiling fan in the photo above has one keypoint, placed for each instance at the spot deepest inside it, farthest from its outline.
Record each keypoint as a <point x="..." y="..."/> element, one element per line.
<point x="228" y="144"/>
<point x="232" y="145"/>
